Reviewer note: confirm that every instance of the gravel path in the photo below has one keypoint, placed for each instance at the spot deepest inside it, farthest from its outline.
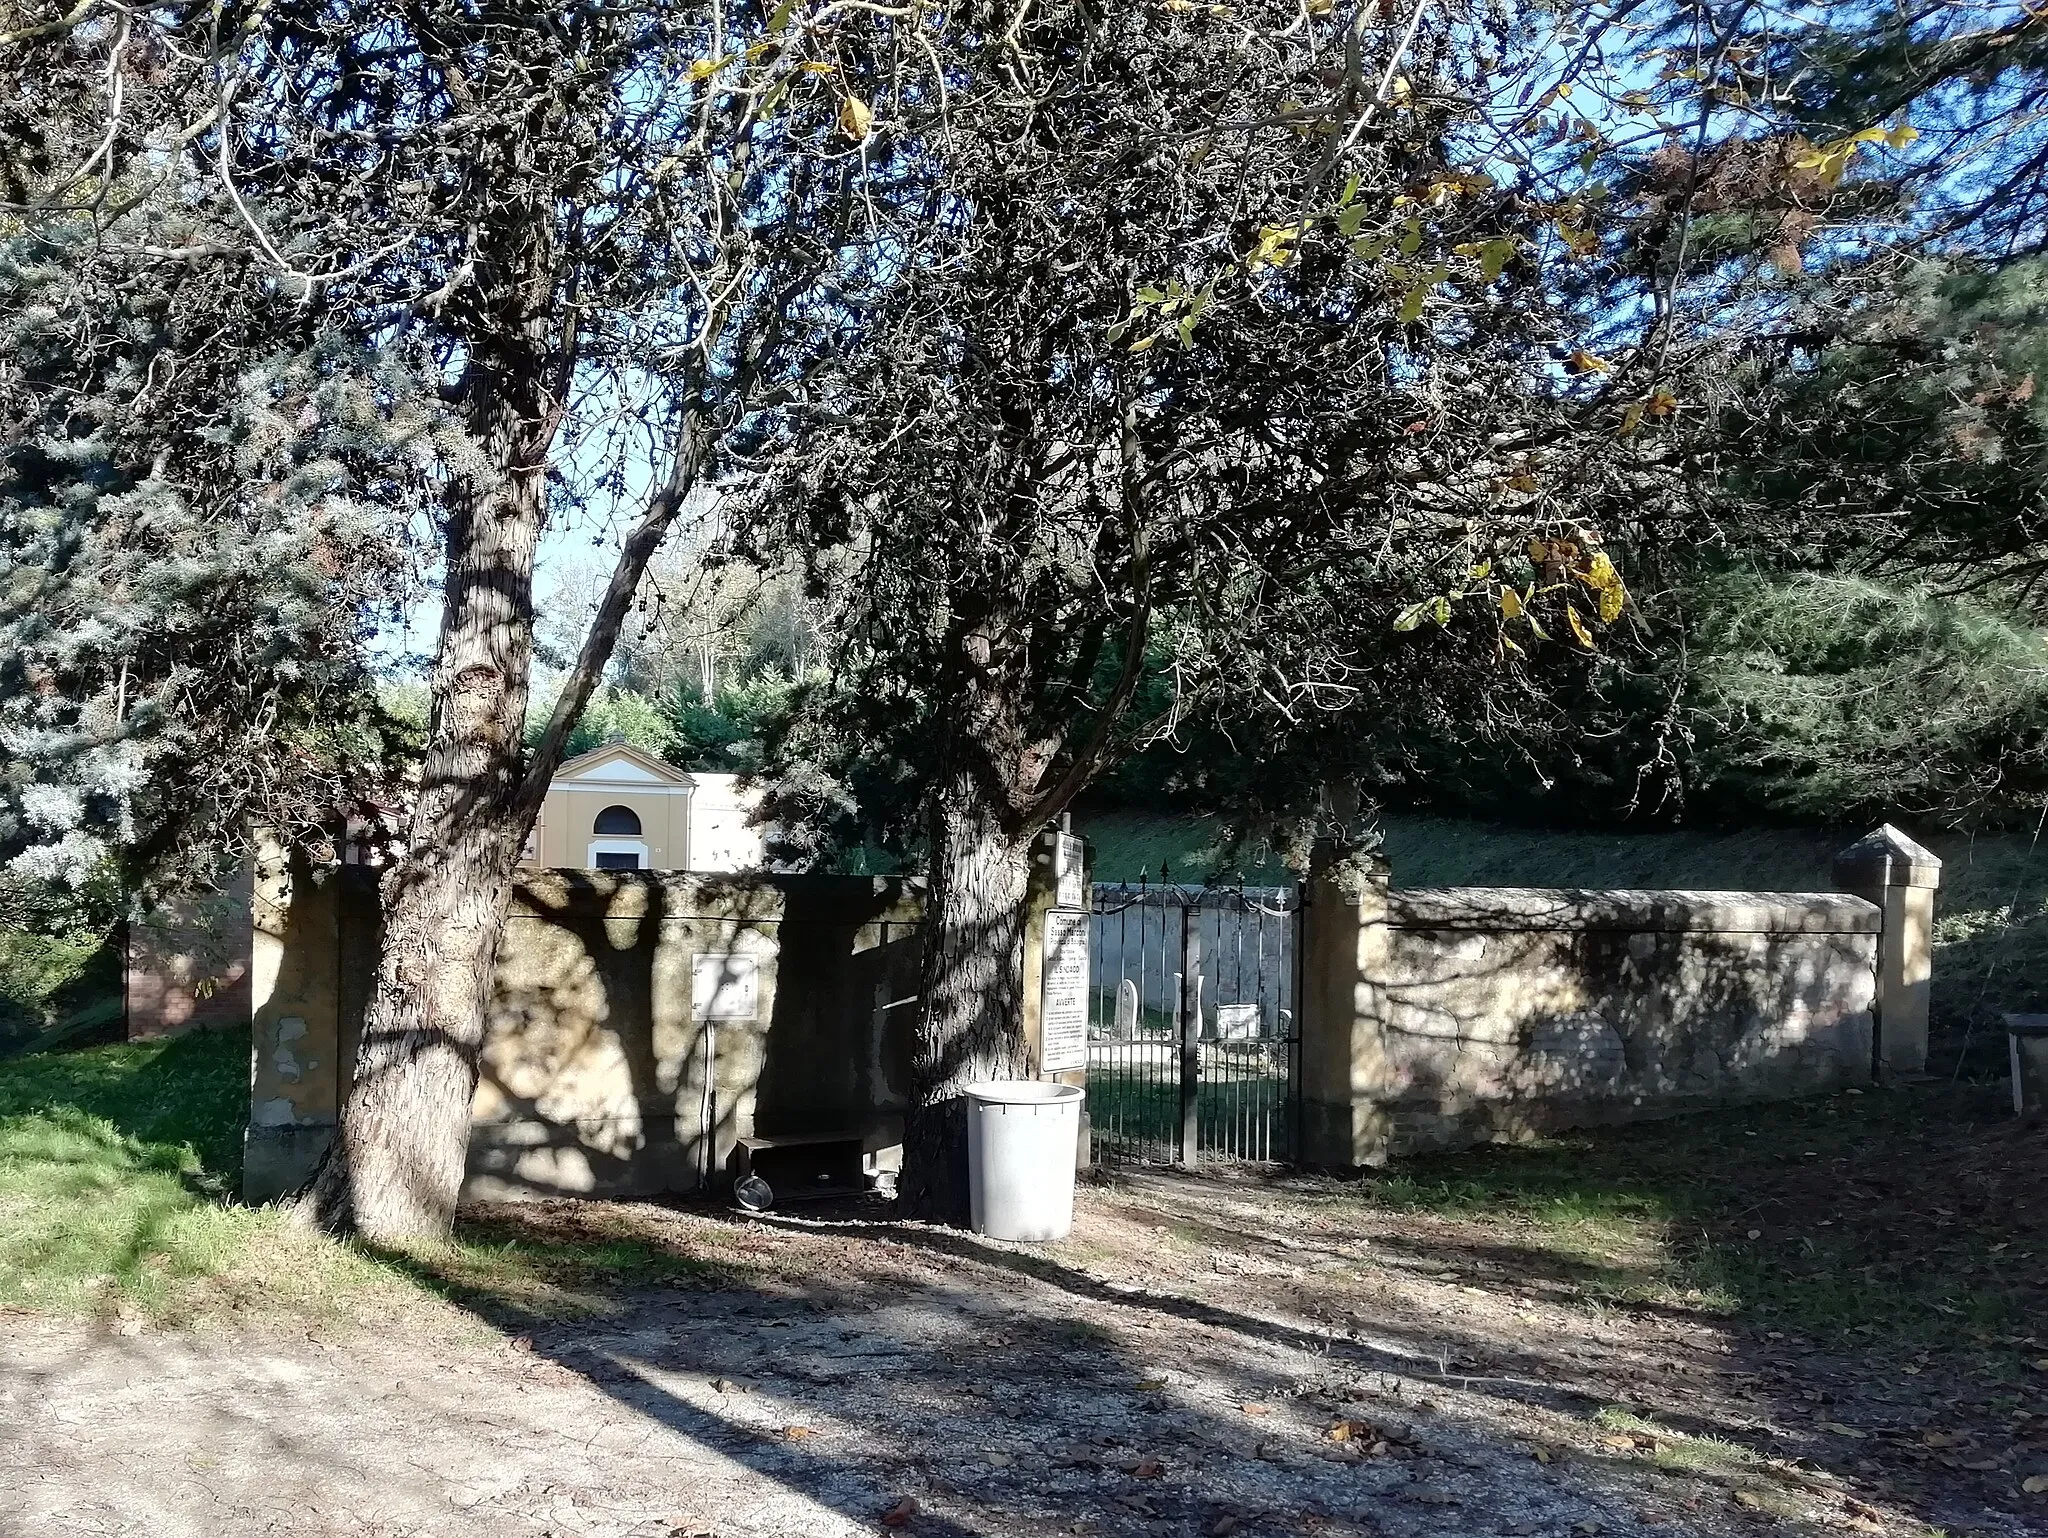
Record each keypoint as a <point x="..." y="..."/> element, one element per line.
<point x="856" y="1371"/>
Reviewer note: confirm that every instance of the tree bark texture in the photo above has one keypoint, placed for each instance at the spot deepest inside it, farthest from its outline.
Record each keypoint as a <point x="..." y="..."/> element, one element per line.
<point x="970" y="1017"/>
<point x="970" y="1020"/>
<point x="396" y="1168"/>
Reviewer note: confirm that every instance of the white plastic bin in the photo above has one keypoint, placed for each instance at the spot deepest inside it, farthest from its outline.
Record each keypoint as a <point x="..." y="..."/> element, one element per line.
<point x="1021" y="1141"/>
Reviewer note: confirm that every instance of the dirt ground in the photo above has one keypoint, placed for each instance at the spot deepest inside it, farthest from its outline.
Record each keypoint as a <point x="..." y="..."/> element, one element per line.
<point x="1207" y="1356"/>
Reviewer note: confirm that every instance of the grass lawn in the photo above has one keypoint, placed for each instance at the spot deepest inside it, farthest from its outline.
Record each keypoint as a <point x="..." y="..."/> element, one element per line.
<point x="119" y="1168"/>
<point x="1903" y="1218"/>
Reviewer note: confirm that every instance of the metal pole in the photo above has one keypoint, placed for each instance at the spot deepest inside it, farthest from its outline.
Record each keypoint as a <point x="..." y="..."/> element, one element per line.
<point x="1190" y="1033"/>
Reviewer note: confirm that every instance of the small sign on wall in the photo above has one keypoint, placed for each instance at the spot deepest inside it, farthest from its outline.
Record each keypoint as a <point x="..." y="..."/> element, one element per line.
<point x="1063" y="993"/>
<point x="1240" y="1022"/>
<point x="1069" y="855"/>
<point x="725" y="986"/>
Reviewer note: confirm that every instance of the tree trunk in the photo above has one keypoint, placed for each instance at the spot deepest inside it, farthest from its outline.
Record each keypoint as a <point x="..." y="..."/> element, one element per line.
<point x="397" y="1164"/>
<point x="970" y="1019"/>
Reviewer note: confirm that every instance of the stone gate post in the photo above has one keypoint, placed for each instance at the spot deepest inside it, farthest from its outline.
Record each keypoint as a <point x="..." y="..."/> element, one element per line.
<point x="1887" y="868"/>
<point x="1056" y="999"/>
<point x="1344" y="943"/>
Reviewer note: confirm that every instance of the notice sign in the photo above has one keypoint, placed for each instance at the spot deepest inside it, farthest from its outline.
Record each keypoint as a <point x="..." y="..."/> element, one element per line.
<point x="725" y="987"/>
<point x="1063" y="993"/>
<point x="1068" y="856"/>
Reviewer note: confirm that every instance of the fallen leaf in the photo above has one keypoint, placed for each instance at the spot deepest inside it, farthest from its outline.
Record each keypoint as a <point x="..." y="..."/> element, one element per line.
<point x="901" y="1512"/>
<point x="1151" y="1385"/>
<point x="2034" y="1484"/>
<point x="1256" y="1409"/>
<point x="1841" y="1430"/>
<point x="729" y="1385"/>
<point x="1937" y="1438"/>
<point x="1148" y="1468"/>
<point x="1749" y="1500"/>
<point x="999" y="1460"/>
<point x="797" y="1433"/>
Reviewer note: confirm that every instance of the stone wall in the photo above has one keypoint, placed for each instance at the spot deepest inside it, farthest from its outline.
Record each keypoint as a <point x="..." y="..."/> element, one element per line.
<point x="1440" y="1018"/>
<point x="602" y="1073"/>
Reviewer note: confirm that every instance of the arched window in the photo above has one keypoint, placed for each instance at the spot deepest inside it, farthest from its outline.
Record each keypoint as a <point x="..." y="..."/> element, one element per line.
<point x="617" y="822"/>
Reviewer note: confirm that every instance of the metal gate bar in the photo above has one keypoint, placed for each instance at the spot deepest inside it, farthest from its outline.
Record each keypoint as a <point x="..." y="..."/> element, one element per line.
<point x="1193" y="1035"/>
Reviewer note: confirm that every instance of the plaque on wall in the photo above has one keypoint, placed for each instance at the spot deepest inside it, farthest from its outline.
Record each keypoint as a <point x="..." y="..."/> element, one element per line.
<point x="725" y="986"/>
<point x="1069" y="856"/>
<point x="1063" y="992"/>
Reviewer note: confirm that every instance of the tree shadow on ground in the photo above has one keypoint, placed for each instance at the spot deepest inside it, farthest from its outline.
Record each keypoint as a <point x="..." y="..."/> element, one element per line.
<point x="1007" y="1389"/>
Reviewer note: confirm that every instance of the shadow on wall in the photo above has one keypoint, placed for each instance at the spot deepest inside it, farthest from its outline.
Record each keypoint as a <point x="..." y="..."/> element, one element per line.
<point x="1471" y="1014"/>
<point x="642" y="1023"/>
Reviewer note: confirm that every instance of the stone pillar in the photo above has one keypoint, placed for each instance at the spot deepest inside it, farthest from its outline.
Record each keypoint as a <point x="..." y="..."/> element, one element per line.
<point x="294" y="1023"/>
<point x="1889" y="869"/>
<point x="1043" y="896"/>
<point x="1344" y="945"/>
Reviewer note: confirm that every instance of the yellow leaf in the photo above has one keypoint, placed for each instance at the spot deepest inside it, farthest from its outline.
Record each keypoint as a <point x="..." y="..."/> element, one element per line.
<point x="1321" y="7"/>
<point x="1538" y="550"/>
<point x="1585" y="636"/>
<point x="1510" y="604"/>
<point x="1276" y="245"/>
<point x="1581" y="242"/>
<point x="1480" y="572"/>
<point x="1583" y="362"/>
<point x="856" y="117"/>
<point x="1867" y="136"/>
<point x="817" y="67"/>
<point x="1599" y="573"/>
<point x="1612" y="599"/>
<point x="703" y="69"/>
<point x="1899" y="135"/>
<point x="1661" y="403"/>
<point x="1631" y="418"/>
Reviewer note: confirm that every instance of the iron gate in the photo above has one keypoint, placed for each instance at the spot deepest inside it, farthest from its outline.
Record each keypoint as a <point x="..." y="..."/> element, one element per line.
<point x="1193" y="1031"/>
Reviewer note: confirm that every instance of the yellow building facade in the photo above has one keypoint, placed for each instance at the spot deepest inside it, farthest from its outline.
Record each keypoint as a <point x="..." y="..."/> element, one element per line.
<point x="620" y="808"/>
